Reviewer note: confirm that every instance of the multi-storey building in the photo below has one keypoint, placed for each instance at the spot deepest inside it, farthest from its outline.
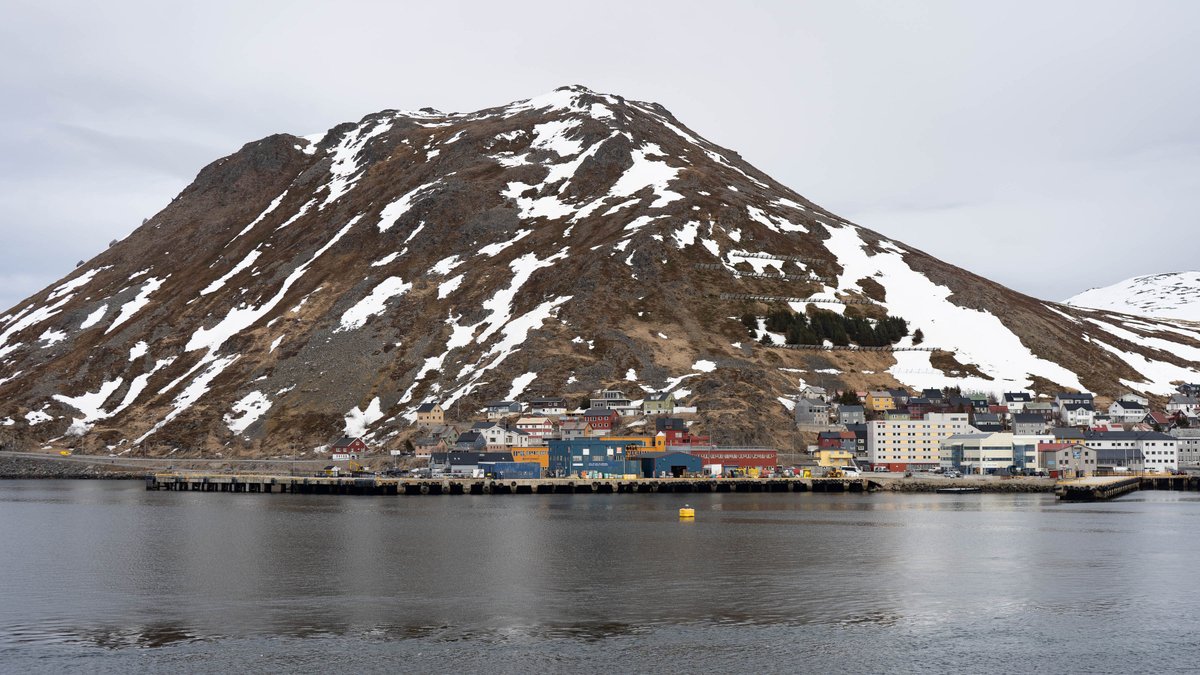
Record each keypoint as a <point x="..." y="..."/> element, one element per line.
<point x="901" y="445"/>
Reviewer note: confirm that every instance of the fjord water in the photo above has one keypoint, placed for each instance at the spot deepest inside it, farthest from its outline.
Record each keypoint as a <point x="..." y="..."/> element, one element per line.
<point x="105" y="576"/>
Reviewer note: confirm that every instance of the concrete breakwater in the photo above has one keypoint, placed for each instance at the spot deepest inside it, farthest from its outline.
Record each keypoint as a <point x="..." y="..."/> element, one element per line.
<point x="991" y="485"/>
<point x="18" y="467"/>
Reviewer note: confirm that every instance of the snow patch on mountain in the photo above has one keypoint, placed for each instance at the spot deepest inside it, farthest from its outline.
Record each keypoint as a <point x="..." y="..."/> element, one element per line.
<point x="247" y="411"/>
<point x="1175" y="295"/>
<point x="374" y="304"/>
<point x="974" y="336"/>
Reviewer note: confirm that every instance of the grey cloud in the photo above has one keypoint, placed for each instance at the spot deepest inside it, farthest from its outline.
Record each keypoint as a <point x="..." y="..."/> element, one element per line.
<point x="1000" y="137"/>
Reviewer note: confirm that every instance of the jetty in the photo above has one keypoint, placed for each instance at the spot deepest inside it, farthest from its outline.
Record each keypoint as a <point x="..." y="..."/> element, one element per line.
<point x="1095" y="488"/>
<point x="458" y="485"/>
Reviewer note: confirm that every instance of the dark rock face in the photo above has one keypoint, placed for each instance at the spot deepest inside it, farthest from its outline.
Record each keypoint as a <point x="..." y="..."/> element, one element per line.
<point x="299" y="289"/>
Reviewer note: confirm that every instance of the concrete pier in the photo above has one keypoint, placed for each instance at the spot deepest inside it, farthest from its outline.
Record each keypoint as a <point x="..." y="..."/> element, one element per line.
<point x="1108" y="487"/>
<point x="377" y="485"/>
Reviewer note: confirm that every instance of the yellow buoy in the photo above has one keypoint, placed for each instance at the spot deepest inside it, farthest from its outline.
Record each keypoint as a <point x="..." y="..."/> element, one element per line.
<point x="687" y="512"/>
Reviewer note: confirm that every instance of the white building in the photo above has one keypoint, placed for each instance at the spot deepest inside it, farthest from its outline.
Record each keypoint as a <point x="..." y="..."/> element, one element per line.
<point x="1151" y="449"/>
<point x="1126" y="412"/>
<point x="1077" y="415"/>
<point x="982" y="453"/>
<point x="913" y="444"/>
<point x="1187" y="447"/>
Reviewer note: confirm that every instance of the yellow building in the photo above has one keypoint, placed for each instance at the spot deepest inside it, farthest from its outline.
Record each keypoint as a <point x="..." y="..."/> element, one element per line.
<point x="539" y="454"/>
<point x="650" y="443"/>
<point x="430" y="414"/>
<point x="880" y="401"/>
<point x="830" y="458"/>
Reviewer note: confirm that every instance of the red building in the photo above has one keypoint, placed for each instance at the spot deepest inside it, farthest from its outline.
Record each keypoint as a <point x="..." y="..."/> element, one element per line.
<point x="762" y="458"/>
<point x="601" y="419"/>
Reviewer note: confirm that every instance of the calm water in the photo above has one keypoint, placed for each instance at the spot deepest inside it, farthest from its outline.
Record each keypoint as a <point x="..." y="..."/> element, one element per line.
<point x="104" y="576"/>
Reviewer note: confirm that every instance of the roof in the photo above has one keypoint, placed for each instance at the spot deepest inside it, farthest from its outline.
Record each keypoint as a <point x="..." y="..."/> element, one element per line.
<point x="1084" y="396"/>
<point x="599" y="412"/>
<point x="1028" y="418"/>
<point x="1129" y="405"/>
<point x="426" y="407"/>
<point x="852" y="408"/>
<point x="344" y="441"/>
<point x="1128" y="436"/>
<point x="1078" y="406"/>
<point x="573" y="424"/>
<point x="1066" y="432"/>
<point x="469" y="437"/>
<point x="503" y="404"/>
<point x="1018" y="396"/>
<point x="987" y="417"/>
<point x="659" y="396"/>
<point x="549" y="400"/>
<point x="932" y="393"/>
<point x="1161" y="418"/>
<point x="1184" y="400"/>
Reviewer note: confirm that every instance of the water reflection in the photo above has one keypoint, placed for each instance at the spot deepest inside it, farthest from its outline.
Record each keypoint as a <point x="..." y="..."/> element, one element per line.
<point x="144" y="570"/>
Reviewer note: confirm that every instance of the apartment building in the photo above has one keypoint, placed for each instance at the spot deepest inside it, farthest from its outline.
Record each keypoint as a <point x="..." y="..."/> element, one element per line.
<point x="903" y="445"/>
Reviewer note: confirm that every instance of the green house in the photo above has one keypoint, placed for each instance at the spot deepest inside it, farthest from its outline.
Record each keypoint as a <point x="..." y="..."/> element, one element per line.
<point x="659" y="403"/>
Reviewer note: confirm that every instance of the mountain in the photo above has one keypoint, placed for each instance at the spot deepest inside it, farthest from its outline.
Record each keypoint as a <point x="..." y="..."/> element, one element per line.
<point x="303" y="287"/>
<point x="1175" y="295"/>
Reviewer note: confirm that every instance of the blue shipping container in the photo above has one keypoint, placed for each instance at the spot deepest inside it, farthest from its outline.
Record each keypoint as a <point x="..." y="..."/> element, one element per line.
<point x="507" y="470"/>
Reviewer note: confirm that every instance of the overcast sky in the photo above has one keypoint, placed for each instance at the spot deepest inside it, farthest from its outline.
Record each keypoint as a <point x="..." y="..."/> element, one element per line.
<point x="1051" y="146"/>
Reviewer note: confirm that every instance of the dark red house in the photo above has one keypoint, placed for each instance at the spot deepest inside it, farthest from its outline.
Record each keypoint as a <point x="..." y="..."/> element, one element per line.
<point x="601" y="419"/>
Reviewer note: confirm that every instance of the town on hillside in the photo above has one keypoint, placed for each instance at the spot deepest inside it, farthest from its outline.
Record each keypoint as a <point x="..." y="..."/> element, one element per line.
<point x="885" y="430"/>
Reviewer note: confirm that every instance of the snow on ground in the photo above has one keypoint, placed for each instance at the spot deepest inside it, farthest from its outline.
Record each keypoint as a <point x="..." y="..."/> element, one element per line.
<point x="492" y="249"/>
<point x="760" y="265"/>
<point x="631" y="375"/>
<point x="93" y="318"/>
<point x="357" y="420"/>
<point x="90" y="403"/>
<point x="345" y="171"/>
<point x="242" y="317"/>
<point x="135" y="305"/>
<point x="787" y="403"/>
<point x="519" y="384"/>
<point x="449" y="286"/>
<point x="26" y="318"/>
<point x="68" y="286"/>
<point x="52" y="337"/>
<point x="275" y="343"/>
<point x="245" y="262"/>
<point x="686" y="235"/>
<point x="1175" y="295"/>
<point x="552" y="136"/>
<point x="974" y="336"/>
<point x="297" y="215"/>
<point x="271" y="207"/>
<point x="374" y="304"/>
<point x="138" y="350"/>
<point x="247" y="411"/>
<point x="35" y="417"/>
<point x="774" y="223"/>
<point x="446" y="265"/>
<point x="392" y="212"/>
<point x="704" y="366"/>
<point x="211" y="339"/>
<point x="647" y="173"/>
<point x="385" y="260"/>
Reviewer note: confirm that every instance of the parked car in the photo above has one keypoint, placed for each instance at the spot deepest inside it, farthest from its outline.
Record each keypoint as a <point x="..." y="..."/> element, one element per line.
<point x="880" y="469"/>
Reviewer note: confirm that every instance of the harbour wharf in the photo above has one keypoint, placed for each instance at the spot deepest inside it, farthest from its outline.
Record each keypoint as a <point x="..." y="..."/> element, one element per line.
<point x="1095" y="488"/>
<point x="380" y="485"/>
